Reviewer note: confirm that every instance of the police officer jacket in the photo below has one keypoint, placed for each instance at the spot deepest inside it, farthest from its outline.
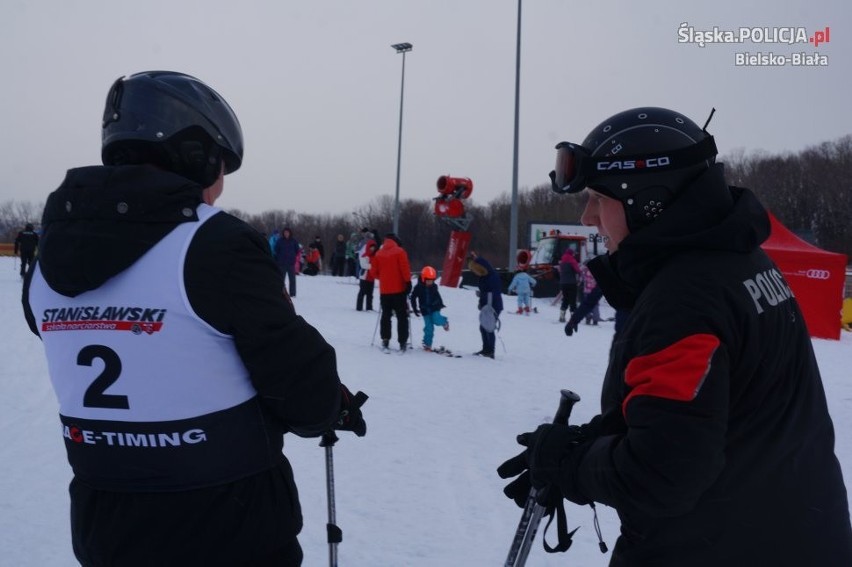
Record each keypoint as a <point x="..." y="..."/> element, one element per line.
<point x="26" y="242"/>
<point x="716" y="446"/>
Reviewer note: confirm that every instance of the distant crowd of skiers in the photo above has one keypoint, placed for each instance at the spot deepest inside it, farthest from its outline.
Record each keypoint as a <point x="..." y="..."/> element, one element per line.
<point x="356" y="257"/>
<point x="363" y="256"/>
<point x="310" y="260"/>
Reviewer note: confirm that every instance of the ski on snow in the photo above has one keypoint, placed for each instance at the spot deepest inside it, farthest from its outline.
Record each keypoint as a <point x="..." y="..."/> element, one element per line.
<point x="445" y="352"/>
<point x="438" y="350"/>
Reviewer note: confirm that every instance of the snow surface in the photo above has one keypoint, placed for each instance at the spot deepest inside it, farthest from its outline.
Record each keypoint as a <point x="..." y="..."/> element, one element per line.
<point x="421" y="488"/>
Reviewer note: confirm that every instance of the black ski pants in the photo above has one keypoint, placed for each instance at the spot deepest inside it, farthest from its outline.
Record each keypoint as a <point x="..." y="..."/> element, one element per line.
<point x="394" y="304"/>
<point x="337" y="264"/>
<point x="290" y="277"/>
<point x="365" y="292"/>
<point x="27" y="257"/>
<point x="251" y="521"/>
<point x="569" y="297"/>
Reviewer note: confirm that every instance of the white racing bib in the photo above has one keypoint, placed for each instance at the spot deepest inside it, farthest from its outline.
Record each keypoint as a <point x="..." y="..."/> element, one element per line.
<point x="150" y="395"/>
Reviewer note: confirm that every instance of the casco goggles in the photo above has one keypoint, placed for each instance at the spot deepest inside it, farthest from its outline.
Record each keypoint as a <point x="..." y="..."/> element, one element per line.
<point x="576" y="168"/>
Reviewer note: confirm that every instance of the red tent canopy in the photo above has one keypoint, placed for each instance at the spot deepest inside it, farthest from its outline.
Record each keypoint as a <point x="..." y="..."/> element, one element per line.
<point x="816" y="277"/>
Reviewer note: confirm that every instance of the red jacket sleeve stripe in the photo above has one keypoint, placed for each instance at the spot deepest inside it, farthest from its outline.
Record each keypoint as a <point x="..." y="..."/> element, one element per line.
<point x="674" y="373"/>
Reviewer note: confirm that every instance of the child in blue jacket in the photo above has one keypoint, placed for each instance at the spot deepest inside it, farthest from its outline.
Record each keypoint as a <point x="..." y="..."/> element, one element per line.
<point x="426" y="295"/>
<point x="522" y="284"/>
<point x="490" y="302"/>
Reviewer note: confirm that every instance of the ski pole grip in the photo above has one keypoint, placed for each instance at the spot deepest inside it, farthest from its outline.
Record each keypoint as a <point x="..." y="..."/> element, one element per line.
<point x="567" y="399"/>
<point x="335" y="534"/>
<point x="328" y="439"/>
<point x="360" y="399"/>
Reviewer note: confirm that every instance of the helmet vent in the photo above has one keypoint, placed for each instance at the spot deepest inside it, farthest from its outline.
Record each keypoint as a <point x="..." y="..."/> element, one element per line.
<point x="653" y="209"/>
<point x="114" y="101"/>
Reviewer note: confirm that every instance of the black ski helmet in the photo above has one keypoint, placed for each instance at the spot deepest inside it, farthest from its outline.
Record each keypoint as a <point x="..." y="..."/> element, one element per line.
<point x="173" y="120"/>
<point x="643" y="157"/>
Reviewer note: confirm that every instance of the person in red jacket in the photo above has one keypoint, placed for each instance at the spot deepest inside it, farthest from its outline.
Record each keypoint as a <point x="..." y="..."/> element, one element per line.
<point x="391" y="267"/>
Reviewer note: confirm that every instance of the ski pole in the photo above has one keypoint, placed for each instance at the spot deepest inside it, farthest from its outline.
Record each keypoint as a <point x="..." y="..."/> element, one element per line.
<point x="376" y="329"/>
<point x="335" y="534"/>
<point x="497" y="334"/>
<point x="410" y="329"/>
<point x="533" y="511"/>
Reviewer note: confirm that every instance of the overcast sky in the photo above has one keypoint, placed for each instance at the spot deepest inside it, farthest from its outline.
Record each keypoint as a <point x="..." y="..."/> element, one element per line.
<point x="316" y="85"/>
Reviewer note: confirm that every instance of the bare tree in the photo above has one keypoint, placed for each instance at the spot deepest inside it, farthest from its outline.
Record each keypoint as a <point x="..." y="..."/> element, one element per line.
<point x="14" y="215"/>
<point x="809" y="192"/>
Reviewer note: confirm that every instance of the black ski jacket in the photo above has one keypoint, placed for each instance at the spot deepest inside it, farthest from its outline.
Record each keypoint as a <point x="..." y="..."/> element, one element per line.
<point x="716" y="446"/>
<point x="99" y="222"/>
<point x="427" y="297"/>
<point x="26" y="243"/>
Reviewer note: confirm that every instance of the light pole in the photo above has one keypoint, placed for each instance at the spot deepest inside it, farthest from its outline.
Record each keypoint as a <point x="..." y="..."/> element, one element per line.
<point x="400" y="48"/>
<point x="513" y="216"/>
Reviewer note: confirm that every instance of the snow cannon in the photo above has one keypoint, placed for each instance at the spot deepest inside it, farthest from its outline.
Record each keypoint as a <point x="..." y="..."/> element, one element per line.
<point x="523" y="259"/>
<point x="456" y="187"/>
<point x="451" y="208"/>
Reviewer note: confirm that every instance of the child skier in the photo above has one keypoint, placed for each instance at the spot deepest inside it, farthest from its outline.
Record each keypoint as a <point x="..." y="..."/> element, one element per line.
<point x="593" y="317"/>
<point x="522" y="284"/>
<point x="426" y="295"/>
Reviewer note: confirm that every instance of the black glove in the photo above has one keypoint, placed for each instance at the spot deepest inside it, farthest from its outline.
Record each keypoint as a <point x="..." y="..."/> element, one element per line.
<point x="549" y="462"/>
<point x="407" y="289"/>
<point x="519" y="490"/>
<point x="350" y="418"/>
<point x="416" y="313"/>
<point x="572" y="326"/>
